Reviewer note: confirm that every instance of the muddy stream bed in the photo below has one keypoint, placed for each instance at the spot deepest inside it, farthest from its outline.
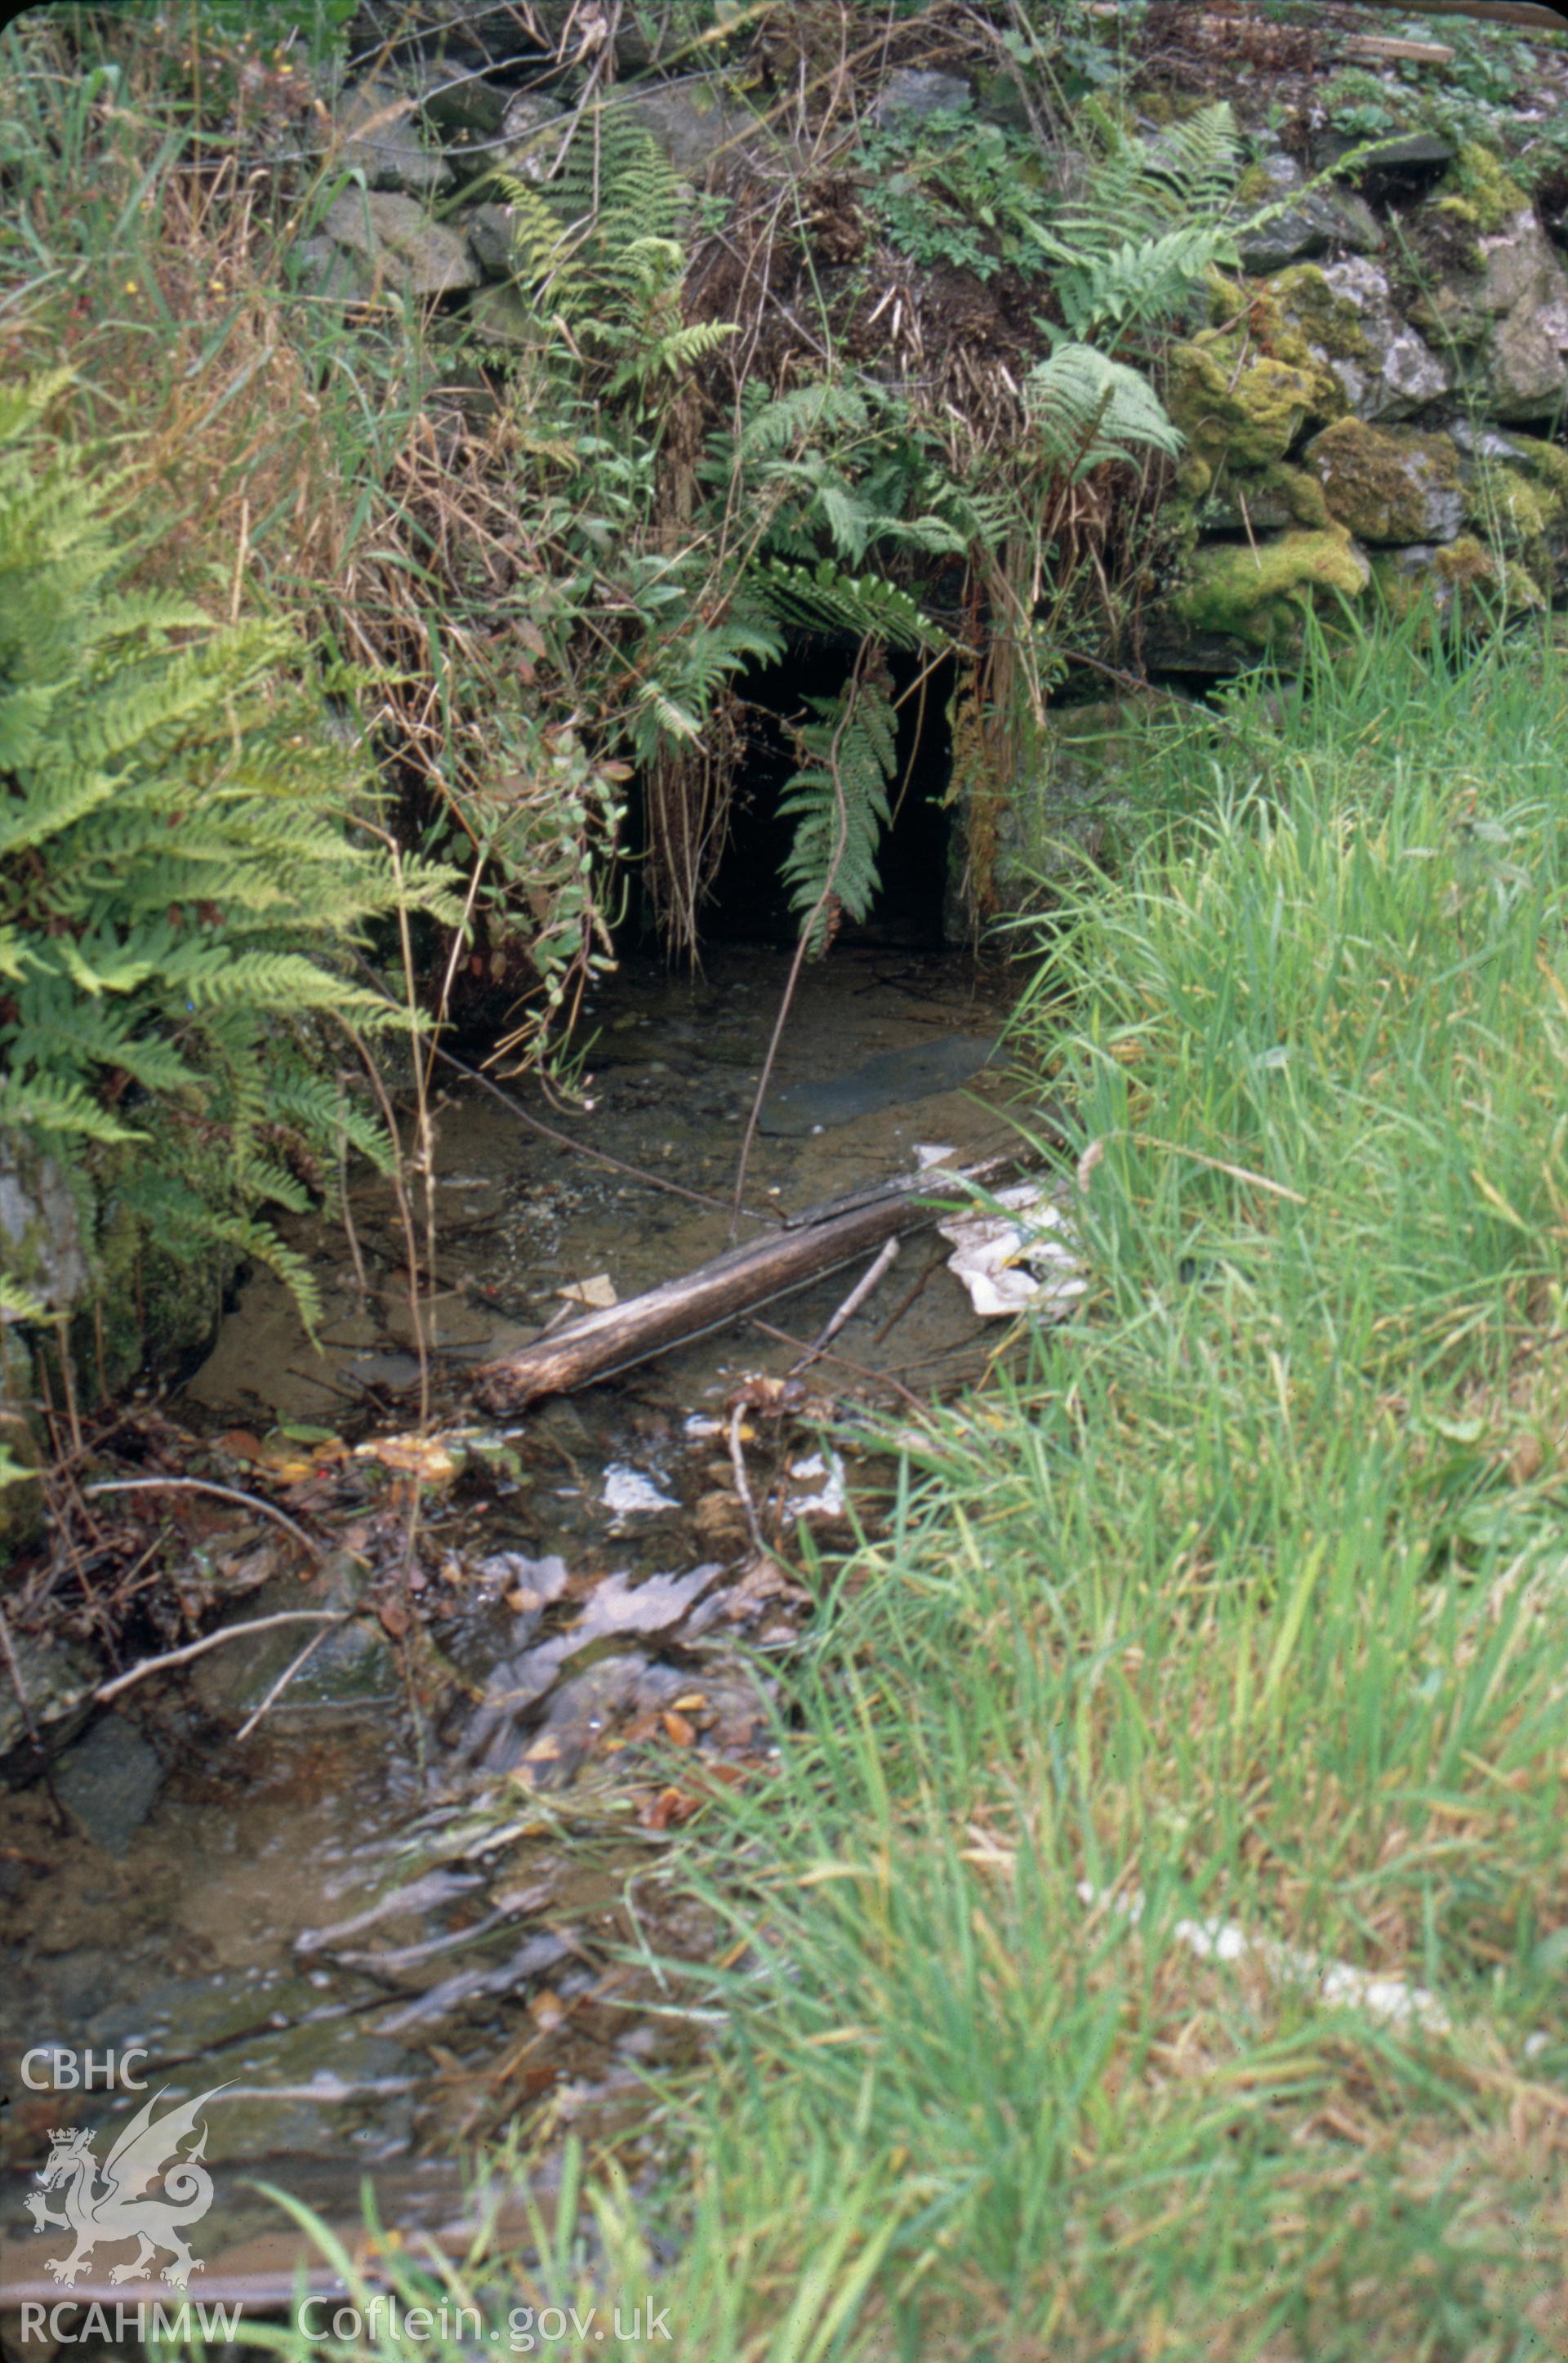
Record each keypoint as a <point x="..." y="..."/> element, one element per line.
<point x="392" y="1915"/>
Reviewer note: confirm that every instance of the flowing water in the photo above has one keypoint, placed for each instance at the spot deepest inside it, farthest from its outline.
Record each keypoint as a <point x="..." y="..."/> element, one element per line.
<point x="406" y="1907"/>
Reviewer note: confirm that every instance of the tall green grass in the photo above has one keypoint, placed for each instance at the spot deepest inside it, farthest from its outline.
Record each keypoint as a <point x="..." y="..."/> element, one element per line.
<point x="1246" y="1595"/>
<point x="1242" y="1602"/>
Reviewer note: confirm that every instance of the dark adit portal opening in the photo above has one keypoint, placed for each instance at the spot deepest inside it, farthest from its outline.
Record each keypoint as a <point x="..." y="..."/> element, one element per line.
<point x="749" y="903"/>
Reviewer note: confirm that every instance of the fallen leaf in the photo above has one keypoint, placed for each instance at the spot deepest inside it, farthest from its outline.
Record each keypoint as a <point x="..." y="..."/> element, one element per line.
<point x="394" y="1618"/>
<point x="240" y="1445"/>
<point x="671" y="1805"/>
<point x="680" y="1732"/>
<point x="423" y="1456"/>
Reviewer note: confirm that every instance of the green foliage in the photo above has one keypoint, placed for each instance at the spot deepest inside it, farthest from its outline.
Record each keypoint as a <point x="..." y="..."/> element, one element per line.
<point x="954" y="190"/>
<point x="1234" y="1604"/>
<point x="838" y="800"/>
<point x="596" y="255"/>
<point x="180" y="870"/>
<point x="1087" y="410"/>
<point x="1152" y="218"/>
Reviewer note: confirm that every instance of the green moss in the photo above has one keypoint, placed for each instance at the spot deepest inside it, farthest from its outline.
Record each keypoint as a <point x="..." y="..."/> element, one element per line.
<point x="1390" y="484"/>
<point x="1468" y="564"/>
<point x="1518" y="509"/>
<point x="1479" y="191"/>
<point x="1246" y="411"/>
<point x="1257" y="592"/>
<point x="1264" y="499"/>
<point x="1312" y="316"/>
<point x="1547" y="461"/>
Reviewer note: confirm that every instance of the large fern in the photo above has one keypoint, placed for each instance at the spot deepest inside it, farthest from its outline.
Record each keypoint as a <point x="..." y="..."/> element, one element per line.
<point x="838" y="800"/>
<point x="1086" y="410"/>
<point x="180" y="867"/>
<point x="596" y="254"/>
<point x="1152" y="216"/>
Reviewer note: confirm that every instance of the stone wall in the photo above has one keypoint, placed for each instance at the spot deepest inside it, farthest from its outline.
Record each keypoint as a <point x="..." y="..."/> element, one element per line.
<point x="1376" y="409"/>
<point x="1371" y="408"/>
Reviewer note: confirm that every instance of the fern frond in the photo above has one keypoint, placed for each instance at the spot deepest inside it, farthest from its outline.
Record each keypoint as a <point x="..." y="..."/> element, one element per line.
<point x="1087" y="410"/>
<point x="838" y="801"/>
<point x="825" y="599"/>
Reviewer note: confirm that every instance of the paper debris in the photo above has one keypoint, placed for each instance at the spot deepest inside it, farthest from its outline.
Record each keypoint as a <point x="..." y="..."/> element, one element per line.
<point x="627" y="1491"/>
<point x="1338" y="1984"/>
<point x="598" y="1292"/>
<point x="1022" y="1261"/>
<point x="828" y="1501"/>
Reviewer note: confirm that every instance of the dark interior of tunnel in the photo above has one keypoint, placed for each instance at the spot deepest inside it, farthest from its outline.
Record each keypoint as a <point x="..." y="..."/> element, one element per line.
<point x="749" y="903"/>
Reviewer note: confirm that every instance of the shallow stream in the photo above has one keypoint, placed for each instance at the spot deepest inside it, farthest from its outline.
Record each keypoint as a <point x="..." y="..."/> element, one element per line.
<point x="404" y="1908"/>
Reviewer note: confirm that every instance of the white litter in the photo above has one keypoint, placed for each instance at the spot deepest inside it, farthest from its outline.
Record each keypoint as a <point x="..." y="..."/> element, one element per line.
<point x="599" y="1291"/>
<point x="1022" y="1261"/>
<point x="1339" y="1985"/>
<point x="627" y="1491"/>
<point x="826" y="1504"/>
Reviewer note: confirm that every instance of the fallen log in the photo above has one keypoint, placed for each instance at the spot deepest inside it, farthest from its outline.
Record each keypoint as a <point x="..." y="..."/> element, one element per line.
<point x="733" y="1283"/>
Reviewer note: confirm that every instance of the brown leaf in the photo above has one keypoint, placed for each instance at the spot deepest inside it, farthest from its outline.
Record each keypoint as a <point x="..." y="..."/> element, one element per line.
<point x="241" y="1445"/>
<point x="395" y="1617"/>
<point x="681" y="1734"/>
<point x="671" y="1805"/>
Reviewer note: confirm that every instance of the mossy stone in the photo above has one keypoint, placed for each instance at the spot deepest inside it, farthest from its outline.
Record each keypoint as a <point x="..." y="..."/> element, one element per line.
<point x="1479" y="191"/>
<point x="1389" y="483"/>
<point x="1267" y="500"/>
<point x="1520" y="511"/>
<point x="1248" y="411"/>
<point x="1258" y="592"/>
<point x="1461" y="569"/>
<point x="1311" y="313"/>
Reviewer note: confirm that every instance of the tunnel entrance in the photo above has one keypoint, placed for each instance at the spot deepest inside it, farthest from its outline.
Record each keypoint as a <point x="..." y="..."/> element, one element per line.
<point x="749" y="903"/>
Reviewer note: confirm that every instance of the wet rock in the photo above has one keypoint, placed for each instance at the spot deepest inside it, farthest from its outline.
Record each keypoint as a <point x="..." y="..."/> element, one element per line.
<point x="1507" y="313"/>
<point x="531" y="129"/>
<point x="489" y="236"/>
<point x="383" y="140"/>
<point x="1410" y="156"/>
<point x="352" y="1666"/>
<point x="323" y="268"/>
<point x="109" y="1780"/>
<point x="616" y="1609"/>
<point x="1390" y="484"/>
<point x="401" y="242"/>
<point x="58" y="1680"/>
<point x="702" y="133"/>
<point x="920" y="91"/>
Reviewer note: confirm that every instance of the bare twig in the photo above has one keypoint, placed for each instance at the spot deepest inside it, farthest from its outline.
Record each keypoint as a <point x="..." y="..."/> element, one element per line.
<point x="215" y="1641"/>
<point x="281" y="1685"/>
<point x="743" y="1487"/>
<point x="808" y="928"/>
<point x="220" y="1492"/>
<point x="886" y="1256"/>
